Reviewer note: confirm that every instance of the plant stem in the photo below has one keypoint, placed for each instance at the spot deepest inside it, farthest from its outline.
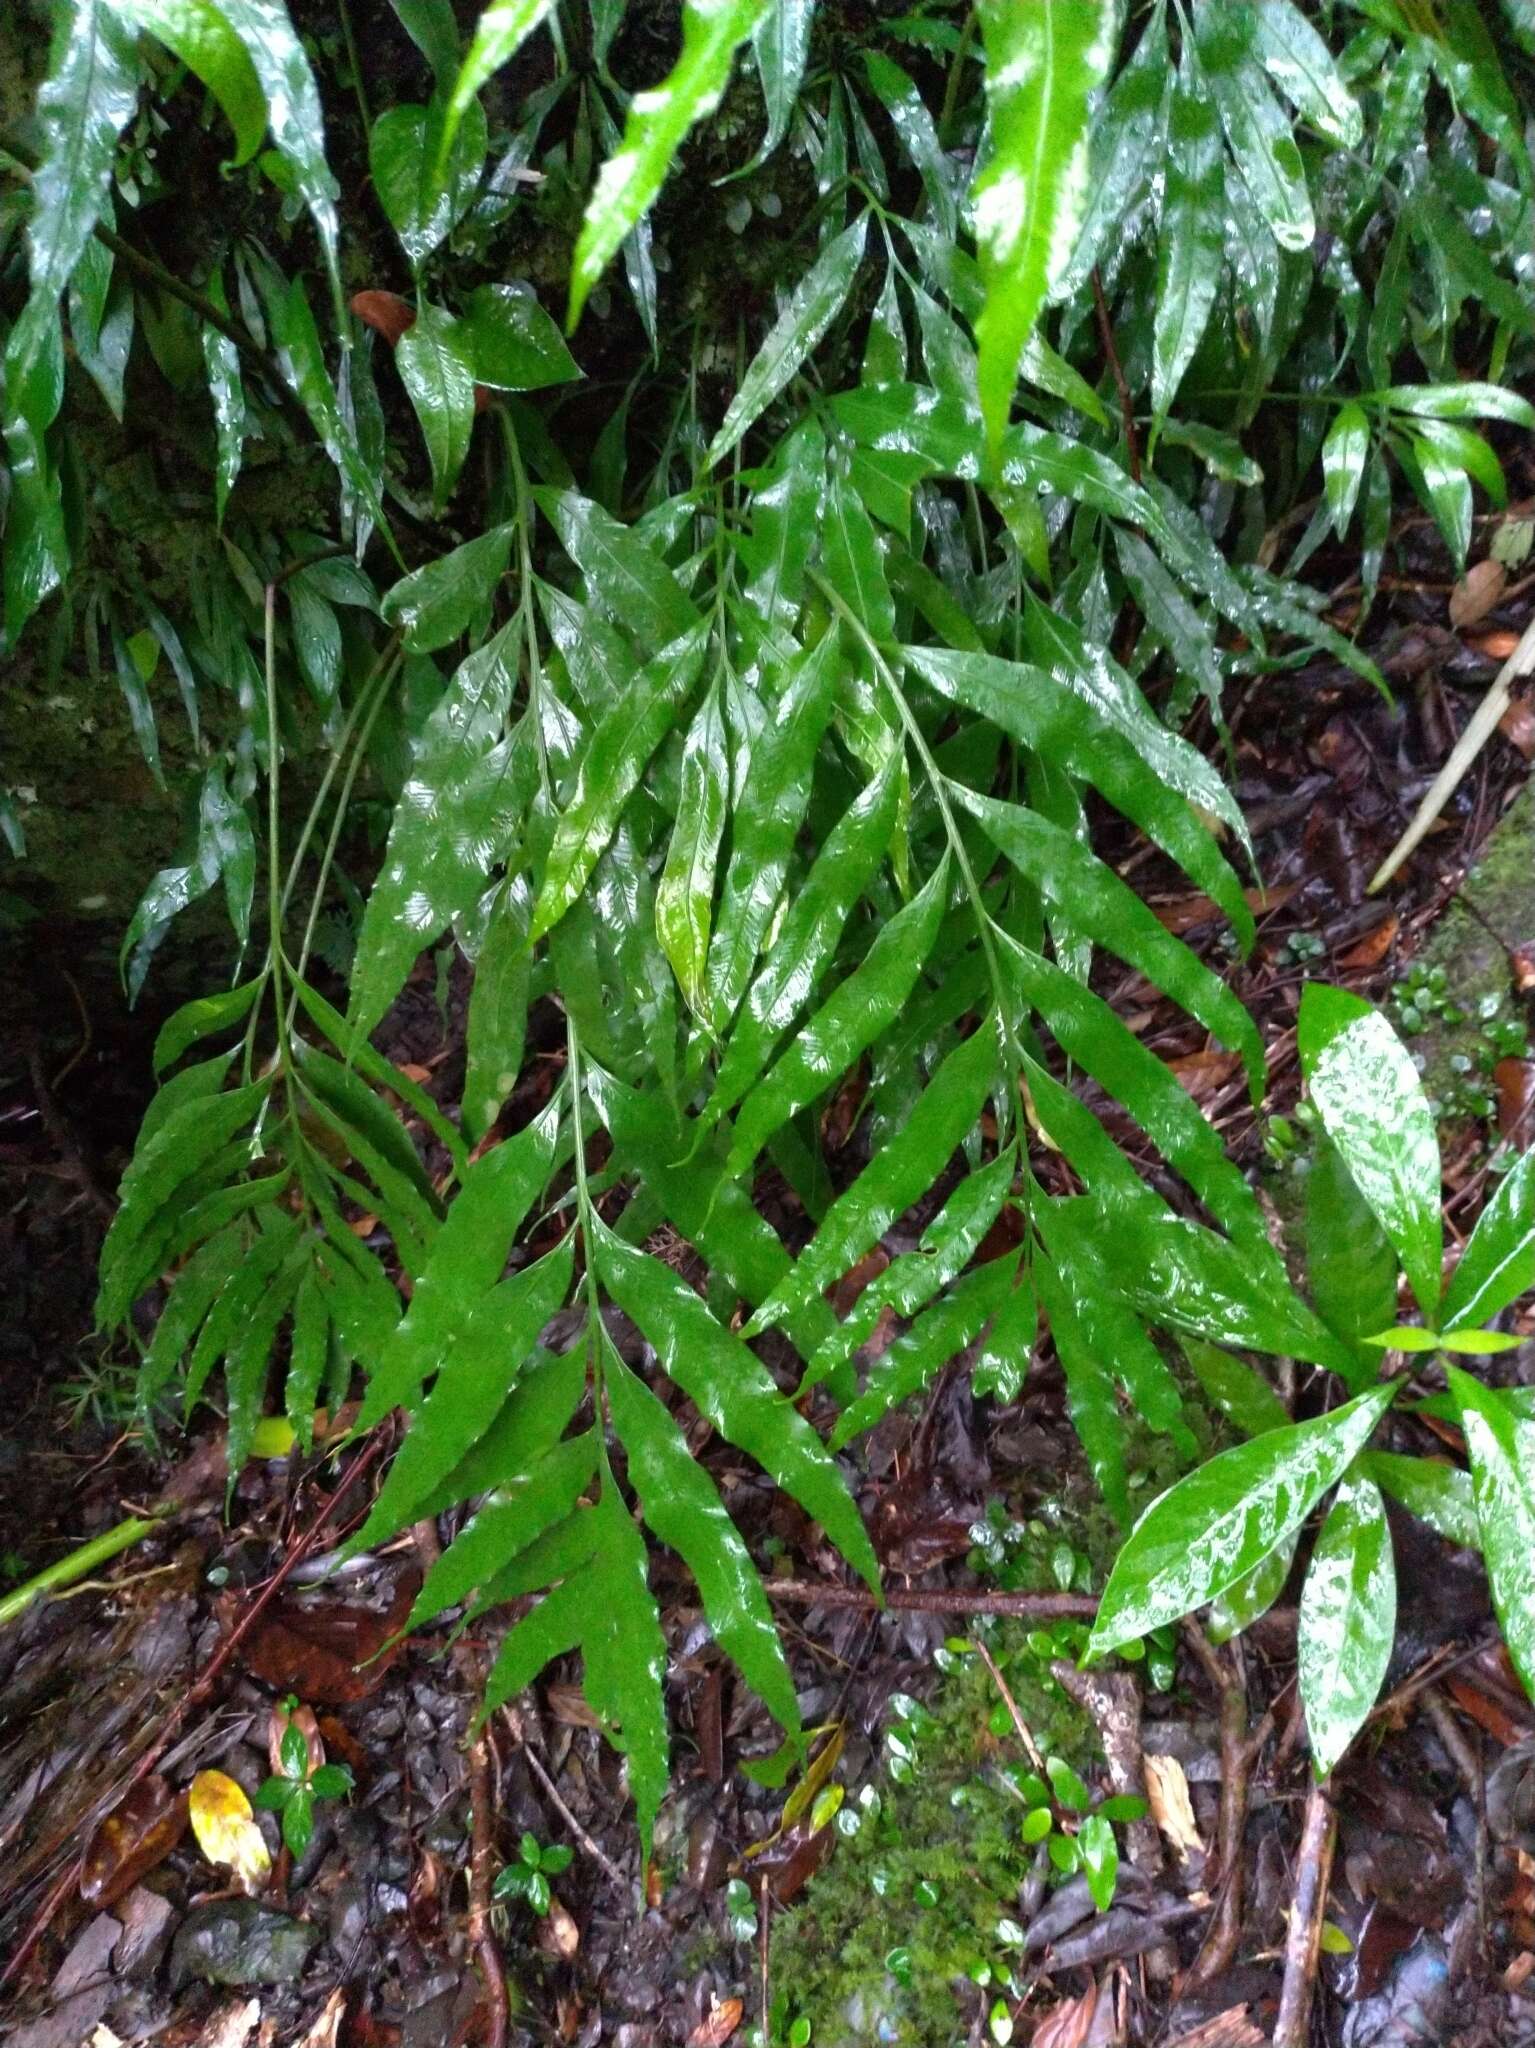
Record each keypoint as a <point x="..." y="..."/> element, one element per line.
<point x="78" y="1565"/>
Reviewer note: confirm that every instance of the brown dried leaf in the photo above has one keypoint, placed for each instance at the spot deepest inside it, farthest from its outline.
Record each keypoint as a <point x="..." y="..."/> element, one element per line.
<point x="1229" y="2029"/>
<point x="724" y="2017"/>
<point x="559" y="1932"/>
<point x="1182" y="913"/>
<point x="1204" y="1074"/>
<point x="1372" y="948"/>
<point x="1494" y="646"/>
<point x="1068" y="2025"/>
<point x="332" y="1653"/>
<point x="1167" y="1794"/>
<point x="1517" y="726"/>
<point x="139" y="1833"/>
<point x="1514" y="1080"/>
<point x="1477" y="592"/>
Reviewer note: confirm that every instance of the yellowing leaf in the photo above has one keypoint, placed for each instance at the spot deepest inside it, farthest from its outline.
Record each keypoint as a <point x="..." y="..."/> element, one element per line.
<point x="226" y="1829"/>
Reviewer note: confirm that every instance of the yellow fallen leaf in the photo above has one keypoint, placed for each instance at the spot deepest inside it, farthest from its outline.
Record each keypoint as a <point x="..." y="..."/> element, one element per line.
<point x="1167" y="1791"/>
<point x="226" y="1828"/>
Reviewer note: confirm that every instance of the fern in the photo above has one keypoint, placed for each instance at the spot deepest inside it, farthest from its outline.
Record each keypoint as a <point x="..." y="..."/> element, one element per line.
<point x="755" y="743"/>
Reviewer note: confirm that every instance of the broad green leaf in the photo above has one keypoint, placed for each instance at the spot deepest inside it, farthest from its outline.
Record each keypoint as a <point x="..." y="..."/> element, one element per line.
<point x="658" y="120"/>
<point x="267" y="1252"/>
<point x="87" y="98"/>
<point x="1127" y="139"/>
<point x="685" y="891"/>
<point x="1214" y="1526"/>
<point x="1191" y="250"/>
<point x="1171" y="617"/>
<point x="1347" y="1620"/>
<point x="1242" y="1395"/>
<point x="435" y="368"/>
<point x="227" y="391"/>
<point x="1259" y="136"/>
<point x="436" y="603"/>
<point x="1500" y="1445"/>
<point x="296" y="339"/>
<point x="776" y="546"/>
<point x="1498" y="1264"/>
<point x="1443" y="488"/>
<point x="624" y="1656"/>
<point x="383" y="1073"/>
<point x="733" y="1390"/>
<point x="554" y="1627"/>
<point x="1091" y="1401"/>
<point x="1344" y="454"/>
<point x="1468" y="401"/>
<point x="421" y="206"/>
<point x="432" y="28"/>
<point x="308" y="1356"/>
<point x="1252" y="1596"/>
<point x="855" y="1014"/>
<point x="512" y="343"/>
<point x="624" y="576"/>
<point x="811" y="307"/>
<point x="937" y="1336"/>
<point x="197" y="1286"/>
<point x="1037" y="459"/>
<point x="502" y="28"/>
<point x="248" y="1359"/>
<point x="204" y="41"/>
<point x="467" y="1260"/>
<point x="1301" y="65"/>
<point x="1350" y="1265"/>
<point x="498" y="1010"/>
<point x="1371" y="1102"/>
<point x="1099" y="1852"/>
<point x="1438" y="1494"/>
<point x="611" y="767"/>
<point x="535" y="1415"/>
<point x="476" y="1374"/>
<point x="1076" y="883"/>
<point x="917" y="134"/>
<point x="906" y="1167"/>
<point x="462" y="801"/>
<point x="1044" y="63"/>
<point x="851" y="558"/>
<point x="680" y="1503"/>
<point x="781" y="44"/>
<point x="293" y="110"/>
<point x="846" y="864"/>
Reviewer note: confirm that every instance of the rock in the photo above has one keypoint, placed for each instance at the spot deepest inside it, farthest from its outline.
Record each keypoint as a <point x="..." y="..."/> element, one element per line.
<point x="238" y="1942"/>
<point x="147" y="1920"/>
<point x="68" y="2025"/>
<point x="89" y="1959"/>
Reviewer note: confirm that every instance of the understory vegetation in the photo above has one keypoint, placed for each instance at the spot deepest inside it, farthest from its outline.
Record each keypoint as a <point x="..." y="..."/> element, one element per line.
<point x="757" y="511"/>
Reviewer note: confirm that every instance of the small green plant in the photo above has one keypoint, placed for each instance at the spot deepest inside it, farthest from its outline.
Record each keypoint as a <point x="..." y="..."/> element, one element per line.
<point x="301" y="1780"/>
<point x="1228" y="1531"/>
<point x="528" y="1878"/>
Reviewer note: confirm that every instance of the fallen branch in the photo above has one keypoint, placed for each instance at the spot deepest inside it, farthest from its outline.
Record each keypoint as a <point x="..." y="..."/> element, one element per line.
<point x="938" y="1600"/>
<point x="1303" y="1945"/>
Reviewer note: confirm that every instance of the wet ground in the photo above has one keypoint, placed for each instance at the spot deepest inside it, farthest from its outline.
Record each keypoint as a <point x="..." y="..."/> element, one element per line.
<point x="172" y="1659"/>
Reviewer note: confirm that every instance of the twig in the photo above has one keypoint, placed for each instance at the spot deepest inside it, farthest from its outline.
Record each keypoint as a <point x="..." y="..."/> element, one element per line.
<point x="1030" y="1745"/>
<point x="556" y="1799"/>
<point x="482" y="1820"/>
<point x="764" y="1908"/>
<point x="1117" y="369"/>
<point x="938" y="1600"/>
<point x="1237" y="1758"/>
<point x="1303" y="1945"/>
<point x="168" y="282"/>
<point x="199" y="1692"/>
<point x="1484" y="723"/>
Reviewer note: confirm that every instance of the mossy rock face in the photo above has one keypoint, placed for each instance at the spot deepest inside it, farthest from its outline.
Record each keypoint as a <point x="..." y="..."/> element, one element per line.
<point x="1457" y="1005"/>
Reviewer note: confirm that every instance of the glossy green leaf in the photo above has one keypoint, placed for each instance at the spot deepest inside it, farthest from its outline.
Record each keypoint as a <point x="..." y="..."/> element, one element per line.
<point x="438" y="602"/>
<point x="813" y="304"/>
<point x="852" y="560"/>
<point x="1438" y="1494"/>
<point x="301" y="358"/>
<point x="1099" y="1853"/>
<point x="781" y="44"/>
<point x="1500" y="1445"/>
<point x="1371" y="1101"/>
<point x="1252" y="1596"/>
<point x="248" y="1359"/>
<point x="197" y="1286"/>
<point x="610" y="768"/>
<point x="88" y="96"/>
<point x="1044" y="63"/>
<point x="625" y="1657"/>
<point x="846" y="864"/>
<point x="685" y="891"/>
<point x="293" y="111"/>
<point x="1351" y="1267"/>
<point x="227" y="392"/>
<point x="526" y="1501"/>
<point x="467" y="1259"/>
<point x="852" y="1017"/>
<point x="503" y="27"/>
<point x="1259" y="136"/>
<point x="512" y="343"/>
<point x="462" y="801"/>
<point x="1344" y="454"/>
<point x="1191" y="252"/>
<point x="1241" y="1394"/>
<point x="476" y="1373"/>
<point x="421" y="205"/>
<point x="1301" y="65"/>
<point x="905" y="1168"/>
<point x="658" y="121"/>
<point x="733" y="1390"/>
<point x="202" y="38"/>
<point x="1471" y="400"/>
<point x="438" y="374"/>
<point x="680" y="1503"/>
<point x="203" y="1017"/>
<point x="1127" y="137"/>
<point x="625" y="578"/>
<point x="938" y="1335"/>
<point x="267" y="1252"/>
<point x="1214" y="1526"/>
<point x="1347" y="1622"/>
<point x="1498" y="1264"/>
<point x="498" y="1011"/>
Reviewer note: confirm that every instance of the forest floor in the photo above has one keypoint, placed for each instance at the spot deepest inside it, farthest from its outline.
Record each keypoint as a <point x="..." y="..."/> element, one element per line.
<point x="900" y="1909"/>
